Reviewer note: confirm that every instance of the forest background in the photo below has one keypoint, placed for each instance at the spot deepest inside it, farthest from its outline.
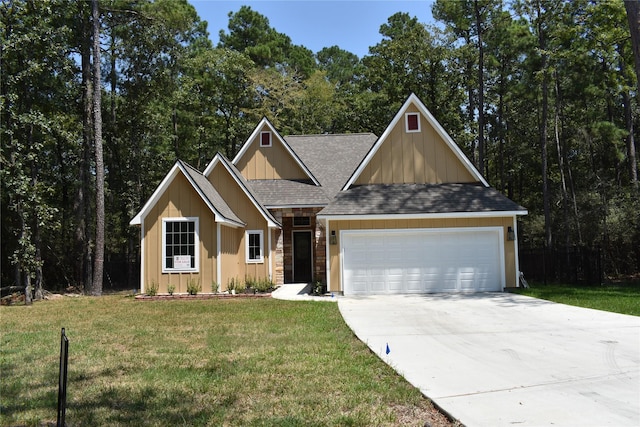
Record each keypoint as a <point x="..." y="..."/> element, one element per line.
<point x="98" y="100"/>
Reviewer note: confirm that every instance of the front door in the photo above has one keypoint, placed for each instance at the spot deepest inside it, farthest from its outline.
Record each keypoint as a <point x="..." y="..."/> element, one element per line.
<point x="302" y="256"/>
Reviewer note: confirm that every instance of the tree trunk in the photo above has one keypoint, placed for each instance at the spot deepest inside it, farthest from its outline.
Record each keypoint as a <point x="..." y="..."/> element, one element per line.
<point x="631" y="143"/>
<point x="37" y="244"/>
<point x="481" y="162"/>
<point x="543" y="132"/>
<point x="563" y="182"/>
<point x="82" y="212"/>
<point x="96" y="288"/>
<point x="633" y="17"/>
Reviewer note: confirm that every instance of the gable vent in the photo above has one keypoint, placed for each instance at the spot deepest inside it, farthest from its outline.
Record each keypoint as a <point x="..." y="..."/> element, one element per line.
<point x="412" y="122"/>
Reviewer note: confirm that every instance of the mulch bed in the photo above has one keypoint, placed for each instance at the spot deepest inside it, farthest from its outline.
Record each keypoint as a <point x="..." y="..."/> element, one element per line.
<point x="183" y="297"/>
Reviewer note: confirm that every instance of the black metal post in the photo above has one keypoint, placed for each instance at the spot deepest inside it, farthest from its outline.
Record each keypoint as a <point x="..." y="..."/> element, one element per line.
<point x="62" y="379"/>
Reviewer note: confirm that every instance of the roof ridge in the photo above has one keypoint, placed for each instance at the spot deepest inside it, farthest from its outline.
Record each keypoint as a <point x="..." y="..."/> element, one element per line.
<point x="330" y="134"/>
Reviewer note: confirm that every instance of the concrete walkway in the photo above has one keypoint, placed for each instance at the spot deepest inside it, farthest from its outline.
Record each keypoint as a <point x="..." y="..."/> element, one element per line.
<point x="299" y="292"/>
<point x="505" y="359"/>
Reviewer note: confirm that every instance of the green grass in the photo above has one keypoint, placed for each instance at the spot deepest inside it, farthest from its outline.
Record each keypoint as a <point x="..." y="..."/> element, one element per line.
<point x="258" y="362"/>
<point x="619" y="298"/>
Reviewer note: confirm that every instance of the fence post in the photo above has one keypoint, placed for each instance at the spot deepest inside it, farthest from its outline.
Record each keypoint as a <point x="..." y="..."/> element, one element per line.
<point x="62" y="379"/>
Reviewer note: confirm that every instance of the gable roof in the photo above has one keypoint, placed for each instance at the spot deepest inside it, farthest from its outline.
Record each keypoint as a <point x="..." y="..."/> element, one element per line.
<point x="253" y="138"/>
<point x="219" y="158"/>
<point x="280" y="193"/>
<point x="414" y="100"/>
<point x="332" y="158"/>
<point x="421" y="200"/>
<point x="222" y="212"/>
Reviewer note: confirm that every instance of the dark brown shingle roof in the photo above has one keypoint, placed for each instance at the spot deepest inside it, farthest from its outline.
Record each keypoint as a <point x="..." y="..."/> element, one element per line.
<point x="387" y="199"/>
<point x="282" y="192"/>
<point x="332" y="158"/>
<point x="210" y="193"/>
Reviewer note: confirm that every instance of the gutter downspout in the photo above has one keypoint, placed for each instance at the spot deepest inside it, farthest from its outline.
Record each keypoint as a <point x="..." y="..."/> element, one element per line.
<point x="219" y="257"/>
<point x="269" y="230"/>
<point x="515" y="251"/>
<point x="142" y="259"/>
<point x="327" y="253"/>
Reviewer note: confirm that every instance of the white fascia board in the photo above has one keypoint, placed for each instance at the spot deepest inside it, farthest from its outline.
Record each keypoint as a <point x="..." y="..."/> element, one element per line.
<point x="164" y="184"/>
<point x="218" y="217"/>
<point x="162" y="187"/>
<point x="252" y="137"/>
<point x="488" y="214"/>
<point x="218" y="159"/>
<point x="279" y="137"/>
<point x="438" y="128"/>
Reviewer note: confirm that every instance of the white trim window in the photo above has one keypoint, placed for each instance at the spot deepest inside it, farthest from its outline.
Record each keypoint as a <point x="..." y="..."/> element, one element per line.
<point x="254" y="246"/>
<point x="265" y="139"/>
<point x="412" y="122"/>
<point x="180" y="244"/>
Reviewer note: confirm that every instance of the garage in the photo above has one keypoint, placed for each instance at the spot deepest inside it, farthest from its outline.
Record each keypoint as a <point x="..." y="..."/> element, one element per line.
<point x="422" y="260"/>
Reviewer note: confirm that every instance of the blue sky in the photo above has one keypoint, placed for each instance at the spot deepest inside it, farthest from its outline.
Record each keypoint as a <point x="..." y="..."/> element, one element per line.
<point x="352" y="25"/>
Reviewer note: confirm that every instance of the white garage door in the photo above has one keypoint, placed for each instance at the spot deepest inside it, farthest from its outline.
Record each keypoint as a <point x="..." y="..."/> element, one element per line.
<point x="424" y="260"/>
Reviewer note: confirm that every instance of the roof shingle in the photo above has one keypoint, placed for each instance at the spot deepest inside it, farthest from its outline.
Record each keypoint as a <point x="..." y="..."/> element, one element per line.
<point x="387" y="199"/>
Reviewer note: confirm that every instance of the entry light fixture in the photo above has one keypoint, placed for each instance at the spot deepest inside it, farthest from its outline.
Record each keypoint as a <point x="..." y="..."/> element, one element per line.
<point x="511" y="235"/>
<point x="332" y="238"/>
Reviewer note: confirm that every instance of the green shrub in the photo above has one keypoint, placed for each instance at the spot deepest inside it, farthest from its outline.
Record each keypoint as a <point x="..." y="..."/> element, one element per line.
<point x="193" y="287"/>
<point x="152" y="288"/>
<point x="171" y="289"/>
<point x="261" y="285"/>
<point x="319" y="288"/>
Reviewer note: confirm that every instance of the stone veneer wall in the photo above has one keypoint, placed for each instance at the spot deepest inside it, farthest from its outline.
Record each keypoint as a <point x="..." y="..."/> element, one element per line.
<point x="284" y="250"/>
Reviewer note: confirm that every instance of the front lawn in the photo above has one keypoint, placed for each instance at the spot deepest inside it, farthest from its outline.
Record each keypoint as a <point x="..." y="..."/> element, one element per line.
<point x="241" y="362"/>
<point x="619" y="298"/>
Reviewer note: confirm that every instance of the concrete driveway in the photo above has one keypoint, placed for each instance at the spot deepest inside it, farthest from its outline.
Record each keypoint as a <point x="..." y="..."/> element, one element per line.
<point x="505" y="359"/>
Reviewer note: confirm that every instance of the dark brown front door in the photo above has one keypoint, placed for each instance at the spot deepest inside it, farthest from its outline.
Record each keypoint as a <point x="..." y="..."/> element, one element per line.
<point x="302" y="258"/>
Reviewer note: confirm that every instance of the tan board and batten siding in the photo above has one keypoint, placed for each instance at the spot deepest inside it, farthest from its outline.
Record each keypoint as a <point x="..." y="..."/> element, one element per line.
<point x="181" y="200"/>
<point x="233" y="245"/>
<point x="338" y="226"/>
<point x="272" y="162"/>
<point x="178" y="201"/>
<point x="414" y="158"/>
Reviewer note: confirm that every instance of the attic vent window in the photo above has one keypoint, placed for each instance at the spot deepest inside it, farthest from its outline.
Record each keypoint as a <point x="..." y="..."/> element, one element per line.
<point x="265" y="139"/>
<point x="412" y="121"/>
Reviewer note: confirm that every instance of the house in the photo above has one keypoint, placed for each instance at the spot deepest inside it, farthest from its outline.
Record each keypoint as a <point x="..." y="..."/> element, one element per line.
<point x="406" y="212"/>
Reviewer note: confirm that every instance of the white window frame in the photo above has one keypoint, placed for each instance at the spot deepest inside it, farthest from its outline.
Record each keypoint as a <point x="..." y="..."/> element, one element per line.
<point x="196" y="244"/>
<point x="246" y="247"/>
<point x="270" y="139"/>
<point x="406" y="123"/>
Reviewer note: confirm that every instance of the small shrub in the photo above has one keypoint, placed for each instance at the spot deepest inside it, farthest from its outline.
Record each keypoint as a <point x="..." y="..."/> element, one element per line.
<point x="214" y="286"/>
<point x="260" y="285"/>
<point x="193" y="287"/>
<point x="250" y="282"/>
<point x="319" y="288"/>
<point x="171" y="289"/>
<point x="152" y="288"/>
<point x="234" y="284"/>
